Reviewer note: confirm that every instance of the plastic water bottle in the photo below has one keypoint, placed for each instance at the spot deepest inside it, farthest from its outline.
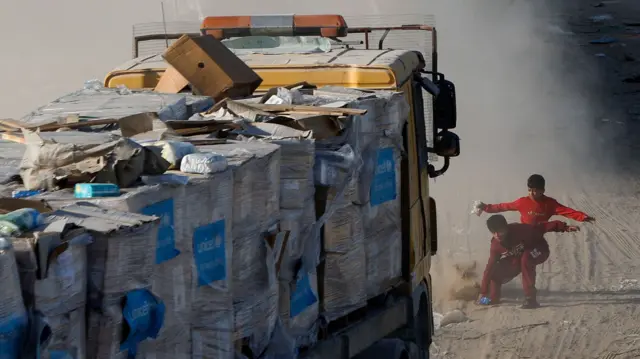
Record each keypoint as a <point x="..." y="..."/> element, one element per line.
<point x="18" y="221"/>
<point x="477" y="208"/>
<point x="92" y="190"/>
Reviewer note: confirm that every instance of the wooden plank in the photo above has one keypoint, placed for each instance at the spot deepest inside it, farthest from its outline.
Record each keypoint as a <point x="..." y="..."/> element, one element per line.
<point x="308" y="109"/>
<point x="13" y="137"/>
<point x="206" y="141"/>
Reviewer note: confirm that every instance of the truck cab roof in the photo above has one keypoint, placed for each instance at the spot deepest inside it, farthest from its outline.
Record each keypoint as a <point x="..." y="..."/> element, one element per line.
<point x="368" y="68"/>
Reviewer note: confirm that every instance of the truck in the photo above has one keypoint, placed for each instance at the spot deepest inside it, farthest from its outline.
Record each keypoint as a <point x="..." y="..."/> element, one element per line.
<point x="398" y="323"/>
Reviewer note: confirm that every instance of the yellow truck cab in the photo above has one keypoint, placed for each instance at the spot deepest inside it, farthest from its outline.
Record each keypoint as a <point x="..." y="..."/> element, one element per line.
<point x="356" y="66"/>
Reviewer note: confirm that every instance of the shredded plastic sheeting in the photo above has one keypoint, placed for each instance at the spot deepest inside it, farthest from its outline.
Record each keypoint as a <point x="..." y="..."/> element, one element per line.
<point x="108" y="103"/>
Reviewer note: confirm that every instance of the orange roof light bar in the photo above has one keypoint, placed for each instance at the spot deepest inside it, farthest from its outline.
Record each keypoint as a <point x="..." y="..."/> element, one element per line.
<point x="224" y="27"/>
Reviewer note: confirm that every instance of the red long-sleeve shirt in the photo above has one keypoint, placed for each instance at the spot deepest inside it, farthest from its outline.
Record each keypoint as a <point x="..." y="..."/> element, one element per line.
<point x="536" y="211"/>
<point x="527" y="235"/>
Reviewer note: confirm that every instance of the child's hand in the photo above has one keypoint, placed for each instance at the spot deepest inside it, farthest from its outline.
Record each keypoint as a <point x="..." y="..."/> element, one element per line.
<point x="573" y="229"/>
<point x="478" y="208"/>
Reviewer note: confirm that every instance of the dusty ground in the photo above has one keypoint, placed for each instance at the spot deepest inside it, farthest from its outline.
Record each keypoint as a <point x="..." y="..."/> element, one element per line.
<point x="589" y="288"/>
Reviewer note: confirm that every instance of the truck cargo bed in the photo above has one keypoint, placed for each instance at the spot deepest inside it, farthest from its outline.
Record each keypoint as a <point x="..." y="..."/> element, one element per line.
<point x="363" y="328"/>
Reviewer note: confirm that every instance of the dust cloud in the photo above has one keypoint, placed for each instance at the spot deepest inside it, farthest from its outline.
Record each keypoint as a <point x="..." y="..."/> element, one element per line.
<point x="526" y="104"/>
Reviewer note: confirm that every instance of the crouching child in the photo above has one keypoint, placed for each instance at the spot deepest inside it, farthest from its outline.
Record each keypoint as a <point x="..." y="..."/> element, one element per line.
<point x="516" y="248"/>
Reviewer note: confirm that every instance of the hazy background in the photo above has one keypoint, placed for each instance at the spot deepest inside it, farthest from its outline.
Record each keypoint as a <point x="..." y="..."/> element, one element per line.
<point x="527" y="103"/>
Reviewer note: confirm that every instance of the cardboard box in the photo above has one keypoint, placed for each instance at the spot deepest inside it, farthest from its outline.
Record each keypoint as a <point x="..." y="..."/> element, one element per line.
<point x="211" y="68"/>
<point x="171" y="82"/>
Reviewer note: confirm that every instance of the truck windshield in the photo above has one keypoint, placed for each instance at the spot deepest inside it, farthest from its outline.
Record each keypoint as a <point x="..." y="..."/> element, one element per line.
<point x="278" y="44"/>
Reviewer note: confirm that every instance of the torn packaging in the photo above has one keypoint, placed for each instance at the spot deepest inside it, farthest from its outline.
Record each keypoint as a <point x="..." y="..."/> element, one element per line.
<point x="47" y="163"/>
<point x="120" y="261"/>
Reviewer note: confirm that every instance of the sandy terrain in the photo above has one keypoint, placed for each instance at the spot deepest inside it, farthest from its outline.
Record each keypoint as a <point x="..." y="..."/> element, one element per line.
<point x="587" y="149"/>
<point x="532" y="97"/>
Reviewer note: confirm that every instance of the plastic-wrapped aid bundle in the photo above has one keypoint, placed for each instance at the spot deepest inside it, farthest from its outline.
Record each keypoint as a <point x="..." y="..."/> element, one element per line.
<point x="173" y="262"/>
<point x="345" y="263"/>
<point x="208" y="224"/>
<point x="120" y="263"/>
<point x="382" y="221"/>
<point x="256" y="183"/>
<point x="13" y="314"/>
<point x="296" y="172"/>
<point x="386" y="115"/>
<point x="256" y="195"/>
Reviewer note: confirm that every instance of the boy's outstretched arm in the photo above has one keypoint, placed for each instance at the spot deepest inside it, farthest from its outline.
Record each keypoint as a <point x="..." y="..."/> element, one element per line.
<point x="502" y="207"/>
<point x="555" y="226"/>
<point x="562" y="210"/>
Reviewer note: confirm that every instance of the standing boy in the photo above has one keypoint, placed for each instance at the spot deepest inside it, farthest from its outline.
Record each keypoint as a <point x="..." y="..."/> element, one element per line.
<point x="536" y="207"/>
<point x="516" y="248"/>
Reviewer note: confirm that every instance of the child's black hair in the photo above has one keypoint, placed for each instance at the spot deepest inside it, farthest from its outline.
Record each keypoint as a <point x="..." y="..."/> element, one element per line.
<point x="536" y="182"/>
<point x="496" y="223"/>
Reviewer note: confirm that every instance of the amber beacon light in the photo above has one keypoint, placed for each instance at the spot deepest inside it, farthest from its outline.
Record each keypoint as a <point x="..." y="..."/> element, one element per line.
<point x="224" y="27"/>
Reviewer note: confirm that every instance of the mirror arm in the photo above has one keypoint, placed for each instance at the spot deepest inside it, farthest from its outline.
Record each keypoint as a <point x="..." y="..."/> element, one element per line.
<point x="433" y="173"/>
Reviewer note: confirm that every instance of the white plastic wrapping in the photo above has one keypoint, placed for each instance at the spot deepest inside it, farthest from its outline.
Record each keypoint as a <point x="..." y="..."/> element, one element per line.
<point x="344" y="280"/>
<point x="65" y="287"/>
<point x="203" y="163"/>
<point x="68" y="335"/>
<point x="296" y="172"/>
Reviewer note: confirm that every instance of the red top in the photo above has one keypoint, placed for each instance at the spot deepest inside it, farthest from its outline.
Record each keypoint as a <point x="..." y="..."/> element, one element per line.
<point x="525" y="237"/>
<point x="536" y="211"/>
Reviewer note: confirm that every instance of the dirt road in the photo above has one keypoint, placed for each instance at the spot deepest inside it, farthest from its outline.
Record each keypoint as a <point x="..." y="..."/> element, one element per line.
<point x="590" y="287"/>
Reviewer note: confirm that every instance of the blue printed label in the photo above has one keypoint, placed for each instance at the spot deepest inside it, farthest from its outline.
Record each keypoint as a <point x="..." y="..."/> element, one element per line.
<point x="144" y="314"/>
<point x="12" y="334"/>
<point x="59" y="354"/>
<point x="383" y="186"/>
<point x="209" y="252"/>
<point x="302" y="297"/>
<point x="166" y="242"/>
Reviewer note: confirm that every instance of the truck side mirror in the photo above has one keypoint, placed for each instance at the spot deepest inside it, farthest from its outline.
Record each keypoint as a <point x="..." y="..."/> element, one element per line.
<point x="446" y="144"/>
<point x="445" y="115"/>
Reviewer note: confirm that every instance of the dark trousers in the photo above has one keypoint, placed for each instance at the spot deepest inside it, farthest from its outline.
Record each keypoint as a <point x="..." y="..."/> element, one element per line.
<point x="509" y="268"/>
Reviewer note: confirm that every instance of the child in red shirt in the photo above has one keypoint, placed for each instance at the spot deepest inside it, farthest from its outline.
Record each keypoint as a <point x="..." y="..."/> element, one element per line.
<point x="516" y="248"/>
<point x="535" y="208"/>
